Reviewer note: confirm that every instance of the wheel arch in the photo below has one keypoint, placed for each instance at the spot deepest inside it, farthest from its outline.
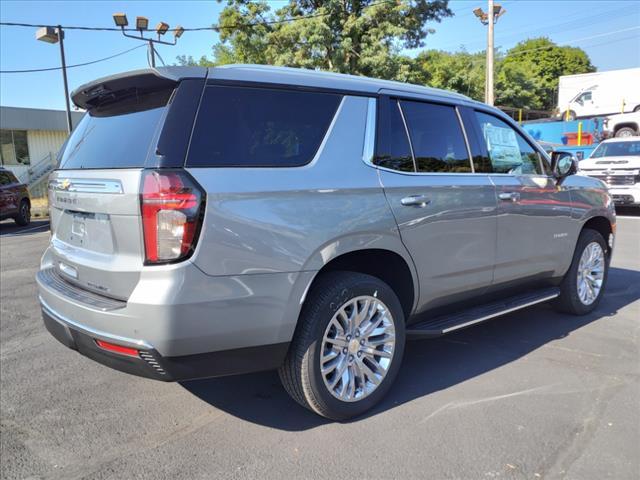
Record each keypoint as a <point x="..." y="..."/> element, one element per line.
<point x="387" y="265"/>
<point x="632" y="125"/>
<point x="603" y="226"/>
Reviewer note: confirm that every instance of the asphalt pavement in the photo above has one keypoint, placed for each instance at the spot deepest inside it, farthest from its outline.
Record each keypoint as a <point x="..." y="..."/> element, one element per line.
<point x="534" y="394"/>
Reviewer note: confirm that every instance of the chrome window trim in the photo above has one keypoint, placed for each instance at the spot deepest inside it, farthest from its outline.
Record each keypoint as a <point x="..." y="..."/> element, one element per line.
<point x="466" y="140"/>
<point x="370" y="132"/>
<point x="406" y="131"/>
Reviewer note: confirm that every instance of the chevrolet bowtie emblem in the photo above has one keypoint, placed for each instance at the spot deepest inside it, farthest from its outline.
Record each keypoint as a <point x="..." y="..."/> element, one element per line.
<point x="66" y="183"/>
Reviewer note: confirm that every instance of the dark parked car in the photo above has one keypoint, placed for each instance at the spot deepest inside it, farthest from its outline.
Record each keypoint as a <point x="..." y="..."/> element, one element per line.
<point x="14" y="198"/>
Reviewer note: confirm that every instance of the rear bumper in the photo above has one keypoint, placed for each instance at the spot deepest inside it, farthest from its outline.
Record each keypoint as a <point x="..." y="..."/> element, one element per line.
<point x="189" y="324"/>
<point x="150" y="364"/>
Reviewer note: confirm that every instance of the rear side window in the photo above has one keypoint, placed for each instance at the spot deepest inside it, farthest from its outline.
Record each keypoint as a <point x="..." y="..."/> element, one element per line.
<point x="392" y="147"/>
<point x="257" y="127"/>
<point x="436" y="137"/>
<point x="119" y="136"/>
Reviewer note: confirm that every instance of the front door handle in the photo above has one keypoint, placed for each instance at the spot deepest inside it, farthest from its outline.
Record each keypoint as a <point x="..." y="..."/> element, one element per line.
<point x="509" y="196"/>
<point x="416" y="201"/>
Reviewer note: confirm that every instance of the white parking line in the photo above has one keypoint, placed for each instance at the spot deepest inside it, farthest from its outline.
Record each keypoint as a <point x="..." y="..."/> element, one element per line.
<point x="26" y="230"/>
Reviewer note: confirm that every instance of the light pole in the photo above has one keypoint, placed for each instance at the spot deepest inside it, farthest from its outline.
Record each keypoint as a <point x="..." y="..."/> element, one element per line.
<point x="494" y="11"/>
<point x="56" y="35"/>
<point x="142" y="25"/>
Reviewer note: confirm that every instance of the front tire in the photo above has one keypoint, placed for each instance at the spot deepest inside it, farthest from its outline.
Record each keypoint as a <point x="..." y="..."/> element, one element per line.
<point x="348" y="346"/>
<point x="583" y="285"/>
<point x="24" y="214"/>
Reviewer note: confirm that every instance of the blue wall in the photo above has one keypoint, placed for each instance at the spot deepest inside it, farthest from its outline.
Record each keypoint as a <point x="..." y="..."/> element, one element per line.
<point x="554" y="132"/>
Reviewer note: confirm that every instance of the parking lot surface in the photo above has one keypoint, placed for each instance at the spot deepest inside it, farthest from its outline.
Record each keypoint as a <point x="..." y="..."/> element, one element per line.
<point x="533" y="394"/>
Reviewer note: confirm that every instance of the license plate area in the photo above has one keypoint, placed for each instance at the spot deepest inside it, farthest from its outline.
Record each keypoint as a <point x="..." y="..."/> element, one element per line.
<point x="90" y="231"/>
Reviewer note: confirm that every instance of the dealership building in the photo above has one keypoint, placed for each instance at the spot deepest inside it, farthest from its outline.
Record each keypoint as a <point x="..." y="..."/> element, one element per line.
<point x="30" y="139"/>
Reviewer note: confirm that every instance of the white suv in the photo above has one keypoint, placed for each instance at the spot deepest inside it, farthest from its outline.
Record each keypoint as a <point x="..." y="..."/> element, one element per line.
<point x="617" y="163"/>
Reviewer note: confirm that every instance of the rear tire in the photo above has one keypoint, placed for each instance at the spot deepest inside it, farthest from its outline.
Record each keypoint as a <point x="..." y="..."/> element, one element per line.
<point x="625" y="132"/>
<point x="569" y="115"/>
<point x="336" y="310"/>
<point x="583" y="285"/>
<point x="23" y="218"/>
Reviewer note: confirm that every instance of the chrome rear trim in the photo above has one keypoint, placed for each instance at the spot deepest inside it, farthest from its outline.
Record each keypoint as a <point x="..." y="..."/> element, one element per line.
<point x="49" y="277"/>
<point x="82" y="185"/>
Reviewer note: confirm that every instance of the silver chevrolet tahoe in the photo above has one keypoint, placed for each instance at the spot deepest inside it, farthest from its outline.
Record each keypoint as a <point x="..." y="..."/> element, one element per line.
<point x="215" y="221"/>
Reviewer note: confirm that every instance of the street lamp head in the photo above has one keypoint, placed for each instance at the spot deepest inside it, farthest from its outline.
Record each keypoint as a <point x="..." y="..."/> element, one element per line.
<point x="162" y="28"/>
<point x="142" y="23"/>
<point x="177" y="33"/>
<point x="478" y="12"/>
<point x="496" y="8"/>
<point x="47" y="34"/>
<point x="120" y="19"/>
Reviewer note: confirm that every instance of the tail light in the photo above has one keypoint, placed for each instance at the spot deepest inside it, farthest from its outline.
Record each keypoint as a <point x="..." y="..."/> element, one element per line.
<point x="172" y="205"/>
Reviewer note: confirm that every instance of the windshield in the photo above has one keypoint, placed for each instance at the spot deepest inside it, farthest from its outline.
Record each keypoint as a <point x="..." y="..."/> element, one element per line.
<point x="617" y="149"/>
<point x="119" y="136"/>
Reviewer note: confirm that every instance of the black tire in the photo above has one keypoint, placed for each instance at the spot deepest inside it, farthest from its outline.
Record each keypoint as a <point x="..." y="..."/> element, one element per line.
<point x="637" y="108"/>
<point x="301" y="374"/>
<point x="23" y="218"/>
<point x="626" y="132"/>
<point x="569" y="300"/>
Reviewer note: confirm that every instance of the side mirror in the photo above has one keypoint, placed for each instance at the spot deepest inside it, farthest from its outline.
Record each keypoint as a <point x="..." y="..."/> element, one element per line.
<point x="563" y="164"/>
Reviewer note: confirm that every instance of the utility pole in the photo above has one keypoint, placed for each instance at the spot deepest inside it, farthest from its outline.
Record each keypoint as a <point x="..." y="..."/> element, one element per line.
<point x="494" y="11"/>
<point x="56" y="35"/>
<point x="488" y="93"/>
<point x="64" y="79"/>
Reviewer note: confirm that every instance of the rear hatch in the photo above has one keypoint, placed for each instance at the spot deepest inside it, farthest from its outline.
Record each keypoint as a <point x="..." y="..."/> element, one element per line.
<point x="98" y="237"/>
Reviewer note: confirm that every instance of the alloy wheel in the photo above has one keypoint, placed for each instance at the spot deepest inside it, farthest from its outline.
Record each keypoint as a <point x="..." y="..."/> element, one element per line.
<point x="591" y="273"/>
<point x="357" y="348"/>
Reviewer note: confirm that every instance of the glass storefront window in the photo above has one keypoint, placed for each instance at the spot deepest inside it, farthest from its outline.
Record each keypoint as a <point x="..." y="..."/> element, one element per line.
<point x="13" y="147"/>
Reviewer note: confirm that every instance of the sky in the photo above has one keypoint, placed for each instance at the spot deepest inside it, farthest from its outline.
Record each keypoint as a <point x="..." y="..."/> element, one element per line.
<point x="609" y="31"/>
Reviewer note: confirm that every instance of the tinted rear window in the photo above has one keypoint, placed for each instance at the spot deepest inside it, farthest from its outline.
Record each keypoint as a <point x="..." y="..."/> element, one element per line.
<point x="436" y="137"/>
<point x="257" y="127"/>
<point x="118" y="137"/>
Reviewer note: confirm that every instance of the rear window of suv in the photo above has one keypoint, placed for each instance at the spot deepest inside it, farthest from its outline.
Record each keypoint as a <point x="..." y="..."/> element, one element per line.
<point x="117" y="136"/>
<point x="260" y="127"/>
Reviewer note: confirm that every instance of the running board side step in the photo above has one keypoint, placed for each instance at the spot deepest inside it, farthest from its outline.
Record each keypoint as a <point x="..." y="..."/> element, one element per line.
<point x="441" y="325"/>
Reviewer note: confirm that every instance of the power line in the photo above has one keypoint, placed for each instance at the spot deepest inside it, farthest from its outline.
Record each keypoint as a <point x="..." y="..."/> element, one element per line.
<point x="73" y="66"/>
<point x="193" y="29"/>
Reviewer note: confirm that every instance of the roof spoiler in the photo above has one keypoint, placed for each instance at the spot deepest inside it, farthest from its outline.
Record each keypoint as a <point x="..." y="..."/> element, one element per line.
<point x="110" y="89"/>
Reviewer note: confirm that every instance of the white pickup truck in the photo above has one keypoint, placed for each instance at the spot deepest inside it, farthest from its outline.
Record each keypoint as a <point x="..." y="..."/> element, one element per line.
<point x="617" y="163"/>
<point x="622" y="125"/>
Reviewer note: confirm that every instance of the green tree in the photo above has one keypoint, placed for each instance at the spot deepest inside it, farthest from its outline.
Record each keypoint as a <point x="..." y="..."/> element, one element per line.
<point x="537" y="63"/>
<point x="526" y="76"/>
<point x="361" y="37"/>
<point x="461" y="71"/>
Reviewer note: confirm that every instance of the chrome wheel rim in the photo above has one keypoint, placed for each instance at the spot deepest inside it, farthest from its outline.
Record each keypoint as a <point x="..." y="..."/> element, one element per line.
<point x="357" y="348"/>
<point x="590" y="273"/>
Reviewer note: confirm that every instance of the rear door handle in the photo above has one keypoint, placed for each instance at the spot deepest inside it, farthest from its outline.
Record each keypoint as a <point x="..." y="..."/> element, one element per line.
<point x="509" y="196"/>
<point x="416" y="201"/>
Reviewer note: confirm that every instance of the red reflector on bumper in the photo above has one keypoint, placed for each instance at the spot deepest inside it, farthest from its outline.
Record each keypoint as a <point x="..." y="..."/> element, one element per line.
<point x="131" y="352"/>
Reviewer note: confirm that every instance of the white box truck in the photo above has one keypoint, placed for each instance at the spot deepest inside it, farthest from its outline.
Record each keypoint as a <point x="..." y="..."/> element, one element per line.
<point x="599" y="93"/>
